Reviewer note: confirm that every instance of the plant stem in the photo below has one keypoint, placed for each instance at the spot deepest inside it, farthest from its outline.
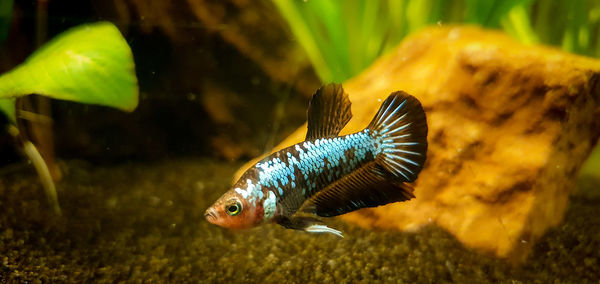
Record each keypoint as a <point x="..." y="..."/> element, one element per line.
<point x="44" y="173"/>
<point x="40" y="166"/>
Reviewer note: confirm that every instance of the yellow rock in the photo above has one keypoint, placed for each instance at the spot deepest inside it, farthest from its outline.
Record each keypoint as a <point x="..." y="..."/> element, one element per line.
<point x="509" y="127"/>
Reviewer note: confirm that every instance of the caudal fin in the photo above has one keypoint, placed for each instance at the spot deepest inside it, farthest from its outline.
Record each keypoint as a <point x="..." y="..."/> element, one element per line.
<point x="400" y="127"/>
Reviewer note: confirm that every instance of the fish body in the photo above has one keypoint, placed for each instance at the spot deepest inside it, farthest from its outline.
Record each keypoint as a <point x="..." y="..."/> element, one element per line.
<point x="329" y="175"/>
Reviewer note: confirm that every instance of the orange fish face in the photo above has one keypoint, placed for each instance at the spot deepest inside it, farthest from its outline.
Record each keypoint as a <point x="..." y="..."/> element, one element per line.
<point x="233" y="211"/>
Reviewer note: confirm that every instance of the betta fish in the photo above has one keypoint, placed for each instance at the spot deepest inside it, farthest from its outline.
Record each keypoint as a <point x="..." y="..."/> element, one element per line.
<point x="329" y="175"/>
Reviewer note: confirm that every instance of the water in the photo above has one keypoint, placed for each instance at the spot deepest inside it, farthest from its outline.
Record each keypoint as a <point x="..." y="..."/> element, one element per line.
<point x="135" y="185"/>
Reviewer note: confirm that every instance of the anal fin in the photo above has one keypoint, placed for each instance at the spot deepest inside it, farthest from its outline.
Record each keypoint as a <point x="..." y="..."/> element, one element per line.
<point x="369" y="186"/>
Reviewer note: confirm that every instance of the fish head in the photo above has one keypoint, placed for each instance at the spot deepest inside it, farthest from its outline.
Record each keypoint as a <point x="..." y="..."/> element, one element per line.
<point x="234" y="210"/>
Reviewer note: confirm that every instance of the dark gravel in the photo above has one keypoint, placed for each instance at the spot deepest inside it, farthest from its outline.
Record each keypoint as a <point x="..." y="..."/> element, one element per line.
<point x="144" y="223"/>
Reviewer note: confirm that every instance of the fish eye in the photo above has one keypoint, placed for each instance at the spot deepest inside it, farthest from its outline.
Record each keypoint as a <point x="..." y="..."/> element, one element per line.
<point x="233" y="209"/>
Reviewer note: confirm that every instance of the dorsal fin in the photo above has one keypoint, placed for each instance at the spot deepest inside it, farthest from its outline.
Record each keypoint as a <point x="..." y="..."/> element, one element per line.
<point x="368" y="186"/>
<point x="328" y="112"/>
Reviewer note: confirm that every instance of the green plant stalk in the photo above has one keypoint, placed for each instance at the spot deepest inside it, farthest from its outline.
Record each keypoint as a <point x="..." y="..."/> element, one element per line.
<point x="44" y="173"/>
<point x="516" y="24"/>
<point x="594" y="20"/>
<point x="597" y="51"/>
<point x="543" y="21"/>
<point x="576" y="38"/>
<point x="354" y="10"/>
<point x="302" y="33"/>
<point x="32" y="153"/>
<point x="369" y="37"/>
<point x="331" y="38"/>
<point x="417" y="14"/>
<point x="476" y="11"/>
<point x="331" y="18"/>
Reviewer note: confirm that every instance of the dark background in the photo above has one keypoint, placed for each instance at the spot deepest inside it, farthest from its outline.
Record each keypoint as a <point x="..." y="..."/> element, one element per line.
<point x="203" y="91"/>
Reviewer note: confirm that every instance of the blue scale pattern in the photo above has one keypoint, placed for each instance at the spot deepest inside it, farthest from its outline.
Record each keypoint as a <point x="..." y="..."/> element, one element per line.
<point x="325" y="157"/>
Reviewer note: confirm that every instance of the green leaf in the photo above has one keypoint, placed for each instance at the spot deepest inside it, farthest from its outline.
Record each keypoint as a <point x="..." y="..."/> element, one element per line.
<point x="88" y="64"/>
<point x="293" y="14"/>
<point x="7" y="106"/>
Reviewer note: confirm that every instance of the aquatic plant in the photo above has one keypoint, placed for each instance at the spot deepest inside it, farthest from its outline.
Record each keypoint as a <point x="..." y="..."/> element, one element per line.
<point x="341" y="38"/>
<point x="90" y="64"/>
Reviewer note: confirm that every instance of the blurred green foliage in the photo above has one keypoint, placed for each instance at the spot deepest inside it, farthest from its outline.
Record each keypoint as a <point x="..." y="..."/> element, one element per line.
<point x="7" y="107"/>
<point x="88" y="64"/>
<point x="6" y="7"/>
<point x="342" y="38"/>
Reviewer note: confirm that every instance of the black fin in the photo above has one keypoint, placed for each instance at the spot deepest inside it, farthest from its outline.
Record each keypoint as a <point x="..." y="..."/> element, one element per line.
<point x="366" y="187"/>
<point x="328" y="112"/>
<point x="401" y="125"/>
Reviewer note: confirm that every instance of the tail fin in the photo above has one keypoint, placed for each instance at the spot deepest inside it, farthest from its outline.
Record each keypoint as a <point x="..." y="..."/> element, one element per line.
<point x="401" y="128"/>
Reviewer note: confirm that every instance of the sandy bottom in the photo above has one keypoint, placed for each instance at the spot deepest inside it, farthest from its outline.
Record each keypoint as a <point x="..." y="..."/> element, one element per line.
<point x="139" y="222"/>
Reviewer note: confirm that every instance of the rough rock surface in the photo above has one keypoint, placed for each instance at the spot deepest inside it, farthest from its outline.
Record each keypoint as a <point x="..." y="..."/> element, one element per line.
<point x="509" y="127"/>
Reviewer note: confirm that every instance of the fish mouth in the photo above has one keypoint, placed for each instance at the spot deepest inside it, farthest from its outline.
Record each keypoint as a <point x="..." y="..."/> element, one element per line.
<point x="210" y="215"/>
